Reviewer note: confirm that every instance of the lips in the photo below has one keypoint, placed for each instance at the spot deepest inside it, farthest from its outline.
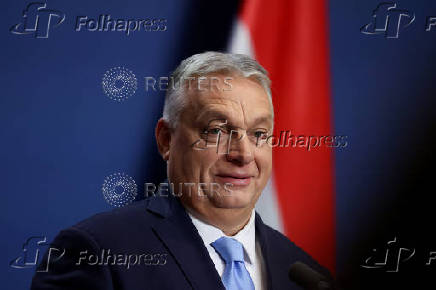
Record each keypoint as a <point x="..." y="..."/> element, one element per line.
<point x="236" y="179"/>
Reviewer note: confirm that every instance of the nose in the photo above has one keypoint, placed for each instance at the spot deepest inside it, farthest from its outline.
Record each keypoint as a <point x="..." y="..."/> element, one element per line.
<point x="240" y="149"/>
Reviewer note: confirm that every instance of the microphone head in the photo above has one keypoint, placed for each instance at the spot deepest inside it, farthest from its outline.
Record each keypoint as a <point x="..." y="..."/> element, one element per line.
<point x="307" y="278"/>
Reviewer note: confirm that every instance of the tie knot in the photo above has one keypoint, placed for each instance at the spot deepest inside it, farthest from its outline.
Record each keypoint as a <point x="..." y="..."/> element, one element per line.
<point x="229" y="249"/>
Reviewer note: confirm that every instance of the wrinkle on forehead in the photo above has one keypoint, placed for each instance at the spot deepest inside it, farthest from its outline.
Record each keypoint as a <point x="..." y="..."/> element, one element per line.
<point x="243" y="114"/>
<point x="233" y="103"/>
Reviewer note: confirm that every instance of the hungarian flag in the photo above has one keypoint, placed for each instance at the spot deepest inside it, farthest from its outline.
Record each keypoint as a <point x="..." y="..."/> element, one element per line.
<point x="289" y="39"/>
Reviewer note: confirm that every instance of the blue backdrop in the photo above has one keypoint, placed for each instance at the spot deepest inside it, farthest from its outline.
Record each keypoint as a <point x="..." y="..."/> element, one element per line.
<point x="61" y="135"/>
<point x="384" y="98"/>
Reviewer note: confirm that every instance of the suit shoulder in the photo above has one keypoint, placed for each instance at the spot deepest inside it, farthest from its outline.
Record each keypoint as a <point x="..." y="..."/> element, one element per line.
<point x="127" y="212"/>
<point x="114" y="224"/>
<point x="283" y="242"/>
<point x="283" y="245"/>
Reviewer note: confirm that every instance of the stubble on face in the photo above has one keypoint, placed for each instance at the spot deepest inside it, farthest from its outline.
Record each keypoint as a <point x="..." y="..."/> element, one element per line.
<point x="245" y="166"/>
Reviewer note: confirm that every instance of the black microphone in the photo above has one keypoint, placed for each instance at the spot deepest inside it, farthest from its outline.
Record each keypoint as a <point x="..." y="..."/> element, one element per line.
<point x="308" y="278"/>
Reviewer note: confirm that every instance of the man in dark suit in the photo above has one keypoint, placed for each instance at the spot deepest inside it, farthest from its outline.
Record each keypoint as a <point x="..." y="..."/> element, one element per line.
<point x="200" y="230"/>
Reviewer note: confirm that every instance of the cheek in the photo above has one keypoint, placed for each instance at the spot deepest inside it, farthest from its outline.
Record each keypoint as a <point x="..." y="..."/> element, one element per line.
<point x="264" y="162"/>
<point x="191" y="162"/>
<point x="206" y="159"/>
<point x="182" y="161"/>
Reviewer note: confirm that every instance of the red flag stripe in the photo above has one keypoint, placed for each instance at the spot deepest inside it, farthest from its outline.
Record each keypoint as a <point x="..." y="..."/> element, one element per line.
<point x="290" y="40"/>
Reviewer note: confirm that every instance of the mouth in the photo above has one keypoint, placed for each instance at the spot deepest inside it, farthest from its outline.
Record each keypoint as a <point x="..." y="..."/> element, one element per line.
<point x="235" y="179"/>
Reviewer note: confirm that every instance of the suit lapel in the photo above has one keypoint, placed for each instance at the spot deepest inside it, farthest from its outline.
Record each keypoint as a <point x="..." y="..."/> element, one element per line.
<point x="264" y="245"/>
<point x="175" y="230"/>
<point x="276" y="272"/>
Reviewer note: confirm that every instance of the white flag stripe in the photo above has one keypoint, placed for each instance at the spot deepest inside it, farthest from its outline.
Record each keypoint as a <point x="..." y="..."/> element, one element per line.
<point x="267" y="205"/>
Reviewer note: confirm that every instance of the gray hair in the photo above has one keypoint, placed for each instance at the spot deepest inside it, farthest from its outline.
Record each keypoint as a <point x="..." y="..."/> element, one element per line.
<point x="203" y="64"/>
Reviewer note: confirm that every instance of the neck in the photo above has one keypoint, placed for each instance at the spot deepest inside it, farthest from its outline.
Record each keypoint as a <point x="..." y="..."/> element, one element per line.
<point x="230" y="221"/>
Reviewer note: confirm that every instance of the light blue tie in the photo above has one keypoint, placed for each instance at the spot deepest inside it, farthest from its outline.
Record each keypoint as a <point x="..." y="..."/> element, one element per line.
<point x="235" y="276"/>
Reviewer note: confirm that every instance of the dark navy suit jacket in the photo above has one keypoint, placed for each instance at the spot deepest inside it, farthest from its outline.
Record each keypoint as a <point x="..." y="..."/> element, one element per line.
<point x="173" y="253"/>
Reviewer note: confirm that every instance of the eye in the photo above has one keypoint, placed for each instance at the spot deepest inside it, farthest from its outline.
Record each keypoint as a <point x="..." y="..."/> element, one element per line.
<point x="260" y="134"/>
<point x="215" y="131"/>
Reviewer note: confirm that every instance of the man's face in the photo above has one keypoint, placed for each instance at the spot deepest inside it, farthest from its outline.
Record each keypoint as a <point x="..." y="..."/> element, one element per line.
<point x="217" y="146"/>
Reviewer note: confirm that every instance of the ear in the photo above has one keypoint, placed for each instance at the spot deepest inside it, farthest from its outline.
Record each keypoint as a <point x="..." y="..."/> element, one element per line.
<point x="163" y="138"/>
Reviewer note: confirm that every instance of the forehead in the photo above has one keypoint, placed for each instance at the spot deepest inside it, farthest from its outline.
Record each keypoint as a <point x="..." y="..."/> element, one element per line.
<point x="239" y="100"/>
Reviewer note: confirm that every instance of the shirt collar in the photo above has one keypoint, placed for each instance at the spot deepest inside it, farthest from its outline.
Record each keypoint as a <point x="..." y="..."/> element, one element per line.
<point x="246" y="236"/>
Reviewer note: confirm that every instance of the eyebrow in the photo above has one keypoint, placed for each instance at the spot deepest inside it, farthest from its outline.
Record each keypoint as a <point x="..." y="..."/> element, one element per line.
<point x="263" y="119"/>
<point x="212" y="114"/>
<point x="222" y="116"/>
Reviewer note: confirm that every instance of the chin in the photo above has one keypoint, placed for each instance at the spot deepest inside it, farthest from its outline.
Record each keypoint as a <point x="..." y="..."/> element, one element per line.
<point x="234" y="199"/>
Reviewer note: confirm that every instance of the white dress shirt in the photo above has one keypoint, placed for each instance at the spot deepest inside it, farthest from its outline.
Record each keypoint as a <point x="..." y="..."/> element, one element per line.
<point x="247" y="237"/>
